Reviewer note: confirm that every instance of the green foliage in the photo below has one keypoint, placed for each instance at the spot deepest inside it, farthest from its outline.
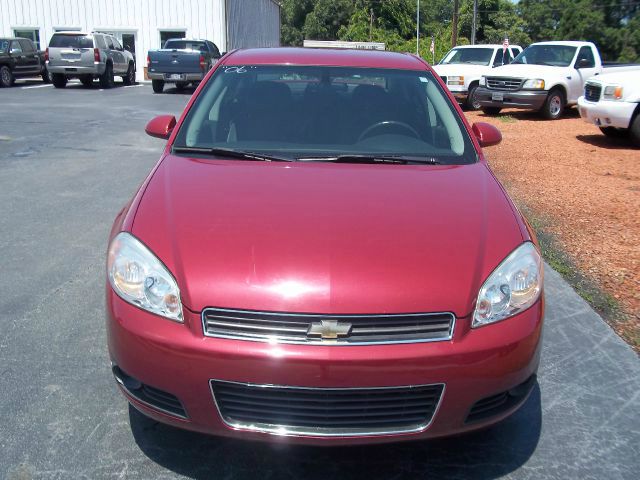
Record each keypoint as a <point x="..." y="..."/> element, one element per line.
<point x="614" y="25"/>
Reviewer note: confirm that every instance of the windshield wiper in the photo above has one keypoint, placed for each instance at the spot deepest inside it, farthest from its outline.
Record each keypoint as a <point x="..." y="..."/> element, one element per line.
<point x="356" y="158"/>
<point x="230" y="153"/>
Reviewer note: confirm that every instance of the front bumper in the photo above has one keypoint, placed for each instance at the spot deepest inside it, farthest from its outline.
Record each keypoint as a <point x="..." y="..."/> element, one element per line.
<point x="525" y="99"/>
<point x="184" y="77"/>
<point x="178" y="359"/>
<point x="607" y="113"/>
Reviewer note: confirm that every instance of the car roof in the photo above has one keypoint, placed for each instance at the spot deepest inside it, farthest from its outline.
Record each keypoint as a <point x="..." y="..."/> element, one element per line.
<point x="568" y="43"/>
<point x="492" y="45"/>
<point x="325" y="57"/>
<point x="75" y="32"/>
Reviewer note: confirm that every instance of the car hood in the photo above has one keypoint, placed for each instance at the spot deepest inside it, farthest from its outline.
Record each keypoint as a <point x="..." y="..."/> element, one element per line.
<point x="326" y="238"/>
<point x="521" y="70"/>
<point x="458" y="69"/>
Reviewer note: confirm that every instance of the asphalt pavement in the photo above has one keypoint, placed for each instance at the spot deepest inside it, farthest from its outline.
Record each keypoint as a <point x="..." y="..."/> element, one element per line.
<point x="69" y="160"/>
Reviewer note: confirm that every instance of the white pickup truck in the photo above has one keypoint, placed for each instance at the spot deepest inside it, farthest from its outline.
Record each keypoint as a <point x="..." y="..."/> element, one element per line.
<point x="545" y="77"/>
<point x="463" y="66"/>
<point x="612" y="102"/>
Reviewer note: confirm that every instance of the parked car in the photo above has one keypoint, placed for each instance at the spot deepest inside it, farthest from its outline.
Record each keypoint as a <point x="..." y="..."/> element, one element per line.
<point x="88" y="56"/>
<point x="463" y="66"/>
<point x="322" y="253"/>
<point x="181" y="61"/>
<point x="546" y="77"/>
<point x="19" y="58"/>
<point x="612" y="102"/>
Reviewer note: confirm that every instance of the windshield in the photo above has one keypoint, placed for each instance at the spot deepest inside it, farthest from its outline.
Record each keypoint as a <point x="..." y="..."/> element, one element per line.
<point x="184" y="45"/>
<point x="71" y="41"/>
<point x="554" y="55"/>
<point x="474" y="56"/>
<point x="302" y="111"/>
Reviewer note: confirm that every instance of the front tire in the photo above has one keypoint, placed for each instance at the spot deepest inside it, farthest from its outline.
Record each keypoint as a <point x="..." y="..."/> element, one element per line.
<point x="614" y="132"/>
<point x="554" y="105"/>
<point x="106" y="79"/>
<point x="472" y="103"/>
<point x="6" y="77"/>
<point x="130" y="77"/>
<point x="59" y="80"/>
<point x="634" y="131"/>
<point x="491" y="110"/>
<point x="157" y="85"/>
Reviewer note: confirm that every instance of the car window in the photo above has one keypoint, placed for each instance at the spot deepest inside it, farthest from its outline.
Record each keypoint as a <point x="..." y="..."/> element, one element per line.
<point x="116" y="44"/>
<point x="109" y="41"/>
<point x="100" y="43"/>
<point x="61" y="40"/>
<point x="474" y="56"/>
<point x="586" y="53"/>
<point x="26" y="46"/>
<point x="553" y="55"/>
<point x="303" y="111"/>
<point x="15" y="47"/>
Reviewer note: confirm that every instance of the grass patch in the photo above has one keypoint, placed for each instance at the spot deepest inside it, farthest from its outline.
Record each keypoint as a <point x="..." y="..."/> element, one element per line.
<point x="603" y="303"/>
<point x="507" y="119"/>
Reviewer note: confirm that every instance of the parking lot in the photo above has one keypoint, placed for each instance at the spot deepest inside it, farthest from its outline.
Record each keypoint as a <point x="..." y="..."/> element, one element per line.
<point x="69" y="160"/>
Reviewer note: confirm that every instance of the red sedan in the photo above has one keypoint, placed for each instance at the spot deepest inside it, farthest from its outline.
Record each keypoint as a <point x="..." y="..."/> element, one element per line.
<point x="322" y="255"/>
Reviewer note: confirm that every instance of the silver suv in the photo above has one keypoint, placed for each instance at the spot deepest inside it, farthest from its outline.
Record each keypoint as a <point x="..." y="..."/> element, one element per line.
<point x="87" y="56"/>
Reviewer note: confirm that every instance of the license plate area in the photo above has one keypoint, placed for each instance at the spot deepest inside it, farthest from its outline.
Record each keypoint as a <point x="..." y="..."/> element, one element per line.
<point x="176" y="76"/>
<point x="497" y="97"/>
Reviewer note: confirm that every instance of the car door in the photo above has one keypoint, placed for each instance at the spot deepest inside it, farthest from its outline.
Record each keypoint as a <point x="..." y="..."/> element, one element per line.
<point x="15" y="50"/>
<point x="31" y="60"/>
<point x="585" y="67"/>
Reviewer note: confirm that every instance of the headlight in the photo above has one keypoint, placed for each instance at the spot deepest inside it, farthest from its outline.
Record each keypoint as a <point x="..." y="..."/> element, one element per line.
<point x="534" y="84"/>
<point x="139" y="278"/>
<point x="613" y="92"/>
<point x="513" y="286"/>
<point x="455" y="80"/>
<point x="483" y="81"/>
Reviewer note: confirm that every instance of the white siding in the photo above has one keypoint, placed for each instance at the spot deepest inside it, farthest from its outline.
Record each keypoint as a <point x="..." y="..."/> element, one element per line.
<point x="257" y="22"/>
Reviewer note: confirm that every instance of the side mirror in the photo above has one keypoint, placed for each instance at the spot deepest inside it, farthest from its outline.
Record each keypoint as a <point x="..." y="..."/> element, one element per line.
<point x="161" y="126"/>
<point x="486" y="134"/>
<point x="583" y="63"/>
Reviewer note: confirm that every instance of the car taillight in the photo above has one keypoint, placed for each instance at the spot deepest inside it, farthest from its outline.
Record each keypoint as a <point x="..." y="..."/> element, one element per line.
<point x="46" y="55"/>
<point x="148" y="61"/>
<point x="96" y="55"/>
<point x="202" y="62"/>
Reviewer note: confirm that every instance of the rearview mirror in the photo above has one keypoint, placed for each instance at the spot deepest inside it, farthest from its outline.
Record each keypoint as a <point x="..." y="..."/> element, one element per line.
<point x="161" y="126"/>
<point x="486" y="134"/>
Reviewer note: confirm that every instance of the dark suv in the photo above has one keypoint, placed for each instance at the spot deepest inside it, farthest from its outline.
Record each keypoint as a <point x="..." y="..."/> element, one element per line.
<point x="87" y="56"/>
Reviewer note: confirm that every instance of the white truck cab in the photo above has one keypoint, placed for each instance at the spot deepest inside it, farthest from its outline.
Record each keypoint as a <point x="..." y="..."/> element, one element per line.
<point x="463" y="66"/>
<point x="545" y="77"/>
<point x="612" y="102"/>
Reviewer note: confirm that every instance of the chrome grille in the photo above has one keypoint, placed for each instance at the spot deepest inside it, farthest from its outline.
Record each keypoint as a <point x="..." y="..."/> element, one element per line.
<point x="317" y="329"/>
<point x="288" y="410"/>
<point x="592" y="92"/>
<point x="504" y="83"/>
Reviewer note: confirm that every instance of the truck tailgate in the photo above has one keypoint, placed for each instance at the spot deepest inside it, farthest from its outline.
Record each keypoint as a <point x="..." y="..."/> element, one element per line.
<point x="174" y="61"/>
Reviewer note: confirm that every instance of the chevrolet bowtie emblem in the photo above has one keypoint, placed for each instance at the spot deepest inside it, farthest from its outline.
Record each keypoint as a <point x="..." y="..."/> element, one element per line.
<point x="328" y="330"/>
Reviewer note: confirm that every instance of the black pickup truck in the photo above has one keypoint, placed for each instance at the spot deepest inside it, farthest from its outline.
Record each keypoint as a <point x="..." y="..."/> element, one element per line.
<point x="20" y="58"/>
<point x="181" y="61"/>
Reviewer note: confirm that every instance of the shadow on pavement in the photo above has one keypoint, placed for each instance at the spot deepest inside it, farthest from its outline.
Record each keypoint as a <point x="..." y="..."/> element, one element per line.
<point x="569" y="113"/>
<point x="486" y="454"/>
<point x="602" y="141"/>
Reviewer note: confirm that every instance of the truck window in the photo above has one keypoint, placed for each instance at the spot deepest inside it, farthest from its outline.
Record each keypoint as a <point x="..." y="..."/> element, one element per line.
<point x="502" y="57"/>
<point x="15" y="47"/>
<point x="586" y="54"/>
<point x="185" y="45"/>
<point x="26" y="46"/>
<point x="100" y="43"/>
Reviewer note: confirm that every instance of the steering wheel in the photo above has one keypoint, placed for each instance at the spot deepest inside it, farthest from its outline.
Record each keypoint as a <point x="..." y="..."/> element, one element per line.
<point x="385" y="124"/>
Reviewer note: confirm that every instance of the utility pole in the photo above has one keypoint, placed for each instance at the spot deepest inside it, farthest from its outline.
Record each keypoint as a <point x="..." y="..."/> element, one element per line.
<point x="454" y="25"/>
<point x="473" y="25"/>
<point x="370" y="23"/>
<point x="418" y="29"/>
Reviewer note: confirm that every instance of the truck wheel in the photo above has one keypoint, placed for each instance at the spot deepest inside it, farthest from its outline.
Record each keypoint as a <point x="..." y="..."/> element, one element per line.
<point x="130" y="77"/>
<point x="158" y="86"/>
<point x="472" y="102"/>
<point x="106" y="79"/>
<point x="59" y="80"/>
<point x="634" y="131"/>
<point x="46" y="78"/>
<point x="491" y="110"/>
<point x="614" y="132"/>
<point x="6" y="77"/>
<point x="553" y="105"/>
<point x="87" y="81"/>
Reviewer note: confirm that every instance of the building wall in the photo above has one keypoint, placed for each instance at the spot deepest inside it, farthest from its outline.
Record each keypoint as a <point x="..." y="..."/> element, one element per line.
<point x="146" y="18"/>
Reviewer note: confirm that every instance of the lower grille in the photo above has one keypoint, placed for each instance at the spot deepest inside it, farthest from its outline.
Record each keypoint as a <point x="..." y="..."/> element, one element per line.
<point x="326" y="411"/>
<point x="592" y="92"/>
<point x="316" y="329"/>
<point x="504" y="83"/>
<point x="496" y="404"/>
